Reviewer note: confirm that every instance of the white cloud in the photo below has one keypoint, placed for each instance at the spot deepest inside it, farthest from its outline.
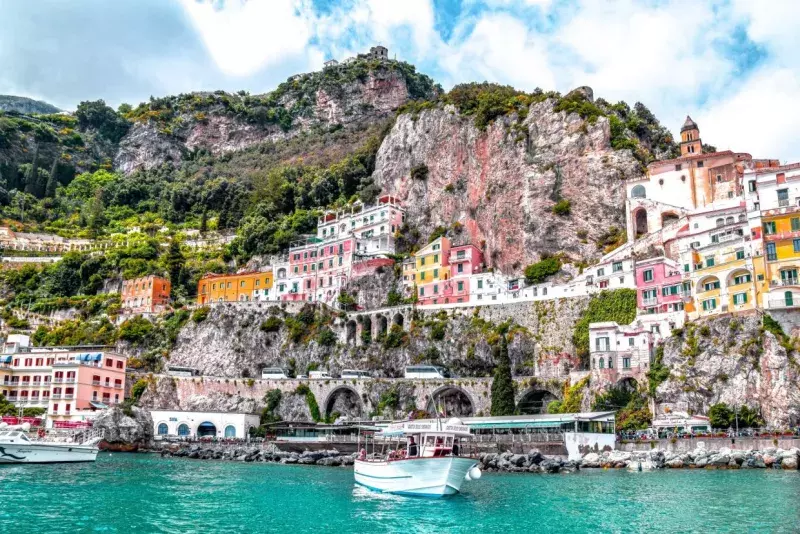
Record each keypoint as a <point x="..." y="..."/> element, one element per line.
<point x="243" y="37"/>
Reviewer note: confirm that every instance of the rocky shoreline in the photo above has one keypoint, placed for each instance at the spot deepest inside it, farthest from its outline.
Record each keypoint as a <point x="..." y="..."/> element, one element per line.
<point x="532" y="462"/>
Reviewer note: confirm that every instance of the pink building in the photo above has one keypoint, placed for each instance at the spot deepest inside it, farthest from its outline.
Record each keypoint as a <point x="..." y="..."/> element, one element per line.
<point x="465" y="260"/>
<point x="660" y="287"/>
<point x="71" y="384"/>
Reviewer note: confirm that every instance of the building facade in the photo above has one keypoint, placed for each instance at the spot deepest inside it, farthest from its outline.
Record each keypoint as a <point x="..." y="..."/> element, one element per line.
<point x="148" y="294"/>
<point x="240" y="287"/>
<point x="71" y="384"/>
<point x="175" y="423"/>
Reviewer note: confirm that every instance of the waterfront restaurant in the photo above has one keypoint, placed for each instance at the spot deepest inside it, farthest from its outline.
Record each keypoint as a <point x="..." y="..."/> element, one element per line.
<point x="196" y="425"/>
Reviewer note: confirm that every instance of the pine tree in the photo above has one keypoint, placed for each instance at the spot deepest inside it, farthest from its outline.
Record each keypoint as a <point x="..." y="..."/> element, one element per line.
<point x="32" y="175"/>
<point x="502" y="384"/>
<point x="204" y="221"/>
<point x="175" y="263"/>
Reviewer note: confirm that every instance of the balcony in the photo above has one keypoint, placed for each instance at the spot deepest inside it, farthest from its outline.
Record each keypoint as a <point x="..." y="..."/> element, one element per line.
<point x="780" y="236"/>
<point x="95" y="382"/>
<point x="69" y="380"/>
<point x="117" y="386"/>
<point x="651" y="301"/>
<point x="58" y="380"/>
<point x="784" y="282"/>
<point x="785" y="303"/>
<point x="68" y="396"/>
<point x="55" y="396"/>
<point x="783" y="202"/>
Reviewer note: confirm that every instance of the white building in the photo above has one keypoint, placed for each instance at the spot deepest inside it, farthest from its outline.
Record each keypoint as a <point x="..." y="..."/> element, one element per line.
<point x="621" y="347"/>
<point x="202" y="424"/>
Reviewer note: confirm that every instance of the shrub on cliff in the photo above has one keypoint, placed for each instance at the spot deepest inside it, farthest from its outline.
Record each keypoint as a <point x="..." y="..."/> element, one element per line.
<point x="562" y="207"/>
<point x="326" y="337"/>
<point x="573" y="398"/>
<point x="201" y="314"/>
<point x="720" y="415"/>
<point x="138" y="389"/>
<point x="658" y="372"/>
<point x="419" y="172"/>
<point x="502" y="383"/>
<point x="311" y="401"/>
<point x="135" y="330"/>
<point x="272" y="324"/>
<point x="538" y="272"/>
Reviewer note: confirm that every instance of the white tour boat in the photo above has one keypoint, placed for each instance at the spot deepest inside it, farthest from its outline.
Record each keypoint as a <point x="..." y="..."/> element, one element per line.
<point x="17" y="448"/>
<point x="428" y="457"/>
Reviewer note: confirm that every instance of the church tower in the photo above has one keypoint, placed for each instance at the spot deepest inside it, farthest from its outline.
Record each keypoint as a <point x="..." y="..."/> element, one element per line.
<point x="690" y="138"/>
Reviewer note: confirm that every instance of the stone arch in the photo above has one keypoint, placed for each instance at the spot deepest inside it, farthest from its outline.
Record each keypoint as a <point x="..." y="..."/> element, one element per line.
<point x="206" y="429"/>
<point x="736" y="273"/>
<point x="640" y="222"/>
<point x="638" y="191"/>
<point x="382" y="325"/>
<point x="163" y="429"/>
<point x="350" y="328"/>
<point x="366" y="327"/>
<point x="346" y="401"/>
<point x="535" y="401"/>
<point x="627" y="384"/>
<point x="398" y="319"/>
<point x="452" y="400"/>
<point x="669" y="218"/>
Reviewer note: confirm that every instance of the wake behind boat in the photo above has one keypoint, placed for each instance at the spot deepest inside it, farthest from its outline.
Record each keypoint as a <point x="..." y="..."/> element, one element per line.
<point x="426" y="457"/>
<point x="17" y="448"/>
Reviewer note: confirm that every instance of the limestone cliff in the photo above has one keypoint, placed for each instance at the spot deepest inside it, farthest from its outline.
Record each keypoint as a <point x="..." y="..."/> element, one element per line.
<point x="731" y="360"/>
<point x="497" y="187"/>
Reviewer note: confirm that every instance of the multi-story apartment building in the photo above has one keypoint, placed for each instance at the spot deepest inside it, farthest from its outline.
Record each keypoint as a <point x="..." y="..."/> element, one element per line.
<point x="432" y="272"/>
<point x="661" y="287"/>
<point x="773" y="206"/>
<point x="148" y="294"/>
<point x="715" y="255"/>
<point x="239" y="287"/>
<point x="620" y="347"/>
<point x="465" y="261"/>
<point x="70" y="383"/>
<point x="322" y="264"/>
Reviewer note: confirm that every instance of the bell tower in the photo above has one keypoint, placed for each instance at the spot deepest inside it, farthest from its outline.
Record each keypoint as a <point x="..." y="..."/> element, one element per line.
<point x="690" y="138"/>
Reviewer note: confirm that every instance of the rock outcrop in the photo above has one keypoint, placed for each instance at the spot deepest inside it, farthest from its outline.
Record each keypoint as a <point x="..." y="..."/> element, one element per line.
<point x="699" y="458"/>
<point x="731" y="360"/>
<point x="125" y="431"/>
<point x="500" y="185"/>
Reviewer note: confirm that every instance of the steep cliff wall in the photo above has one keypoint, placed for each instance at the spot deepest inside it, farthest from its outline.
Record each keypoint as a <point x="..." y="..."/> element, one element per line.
<point x="732" y="360"/>
<point x="501" y="184"/>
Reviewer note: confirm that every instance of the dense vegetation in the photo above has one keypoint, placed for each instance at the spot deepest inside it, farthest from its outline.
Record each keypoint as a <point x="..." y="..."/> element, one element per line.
<point x="502" y="384"/>
<point x="617" y="305"/>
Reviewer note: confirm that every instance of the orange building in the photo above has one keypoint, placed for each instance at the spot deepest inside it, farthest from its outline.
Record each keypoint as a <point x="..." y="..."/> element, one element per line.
<point x="149" y="294"/>
<point x="239" y="287"/>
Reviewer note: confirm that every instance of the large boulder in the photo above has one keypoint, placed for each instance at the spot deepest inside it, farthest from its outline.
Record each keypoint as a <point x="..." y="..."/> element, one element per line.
<point x="125" y="429"/>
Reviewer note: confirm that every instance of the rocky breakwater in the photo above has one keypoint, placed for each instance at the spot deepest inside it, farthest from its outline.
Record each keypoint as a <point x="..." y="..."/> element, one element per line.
<point x="700" y="458"/>
<point x="330" y="458"/>
<point x="533" y="462"/>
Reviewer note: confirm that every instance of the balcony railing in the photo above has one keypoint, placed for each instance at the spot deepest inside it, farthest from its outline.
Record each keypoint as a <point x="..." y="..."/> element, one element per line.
<point x="95" y="382"/>
<point x="784" y="303"/>
<point x="69" y="395"/>
<point x="69" y="380"/>
<point x="785" y="282"/>
<point x="652" y="301"/>
<point x="58" y="380"/>
<point x="118" y="386"/>
<point x="55" y="396"/>
<point x="783" y="202"/>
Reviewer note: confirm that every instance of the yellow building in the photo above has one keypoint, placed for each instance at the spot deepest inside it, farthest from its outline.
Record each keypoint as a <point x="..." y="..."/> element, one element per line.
<point x="240" y="287"/>
<point x="723" y="281"/>
<point x="782" y="258"/>
<point x="431" y="269"/>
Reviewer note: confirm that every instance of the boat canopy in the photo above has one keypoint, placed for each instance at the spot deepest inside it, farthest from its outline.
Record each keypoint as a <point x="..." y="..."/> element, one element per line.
<point x="426" y="426"/>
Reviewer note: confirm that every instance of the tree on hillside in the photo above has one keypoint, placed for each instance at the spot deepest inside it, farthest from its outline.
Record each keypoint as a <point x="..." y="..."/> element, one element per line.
<point x="176" y="264"/>
<point x="502" y="384"/>
<point x="720" y="415"/>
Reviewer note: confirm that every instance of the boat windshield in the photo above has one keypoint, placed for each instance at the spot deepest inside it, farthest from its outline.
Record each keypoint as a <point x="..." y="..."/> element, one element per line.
<point x="7" y="436"/>
<point x="380" y="447"/>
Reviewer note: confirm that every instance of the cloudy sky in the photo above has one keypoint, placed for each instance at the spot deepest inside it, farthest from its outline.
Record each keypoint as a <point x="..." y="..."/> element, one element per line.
<point x="734" y="65"/>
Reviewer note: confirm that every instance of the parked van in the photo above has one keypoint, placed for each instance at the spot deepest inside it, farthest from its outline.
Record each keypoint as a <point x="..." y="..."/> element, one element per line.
<point x="274" y="373"/>
<point x="355" y="373"/>
<point x="319" y="375"/>
<point x="426" y="371"/>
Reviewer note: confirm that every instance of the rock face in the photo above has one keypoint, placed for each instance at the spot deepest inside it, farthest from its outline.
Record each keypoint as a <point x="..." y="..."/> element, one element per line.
<point x="373" y="95"/>
<point x="732" y="360"/>
<point x="501" y="185"/>
<point x="125" y="432"/>
<point x="699" y="458"/>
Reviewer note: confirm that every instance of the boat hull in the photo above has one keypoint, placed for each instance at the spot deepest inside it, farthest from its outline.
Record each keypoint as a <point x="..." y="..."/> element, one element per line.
<point x="425" y="477"/>
<point x="39" y="453"/>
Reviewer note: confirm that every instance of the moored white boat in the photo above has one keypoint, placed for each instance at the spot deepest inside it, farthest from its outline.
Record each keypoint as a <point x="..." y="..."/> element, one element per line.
<point x="16" y="448"/>
<point x="426" y="458"/>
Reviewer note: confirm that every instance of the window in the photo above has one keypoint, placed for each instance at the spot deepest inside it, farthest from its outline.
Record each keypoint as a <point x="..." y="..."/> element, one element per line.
<point x="751" y="186"/>
<point x="709" y="304"/>
<point x="603" y="284"/>
<point x="686" y="267"/>
<point x="436" y="273"/>
<point x="183" y="430"/>
<point x="669" y="290"/>
<point x="109" y="362"/>
<point x="740" y="254"/>
<point x="739" y="299"/>
<point x="772" y="253"/>
<point x="480" y="284"/>
<point x="699" y="164"/>
<point x="435" y="258"/>
<point x="710" y="261"/>
<point x="796" y="244"/>
<point x="460" y="268"/>
<point x="461" y="286"/>
<point x="422" y="261"/>
<point x="648" y="275"/>
<point x="649" y="294"/>
<point x="630" y="341"/>
<point x="741" y="279"/>
<point x="422" y="275"/>
<point x="436" y="289"/>
<point x="720" y="222"/>
<point x="678" y="167"/>
<point x="601" y="272"/>
<point x="638" y="192"/>
<point x="610" y="362"/>
<point x="616" y="266"/>
<point x="241" y="284"/>
<point x="795" y="224"/>
<point x="436" y="246"/>
<point x="783" y="197"/>
<point x="626" y="363"/>
<point x="258" y="283"/>
<point x="230" y="431"/>
<point x="708" y="286"/>
<point x="422" y="292"/>
<point x="162" y="429"/>
<point x="602" y="344"/>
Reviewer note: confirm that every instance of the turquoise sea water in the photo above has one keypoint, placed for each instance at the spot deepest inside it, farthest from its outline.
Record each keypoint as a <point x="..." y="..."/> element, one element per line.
<point x="145" y="493"/>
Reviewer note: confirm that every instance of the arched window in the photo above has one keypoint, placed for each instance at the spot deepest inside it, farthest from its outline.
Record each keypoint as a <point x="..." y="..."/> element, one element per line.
<point x="230" y="431"/>
<point x="183" y="430"/>
<point x="720" y="222"/>
<point x="638" y="192"/>
<point x="729" y="220"/>
<point x="602" y="363"/>
<point x="162" y="429"/>
<point x="742" y="218"/>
